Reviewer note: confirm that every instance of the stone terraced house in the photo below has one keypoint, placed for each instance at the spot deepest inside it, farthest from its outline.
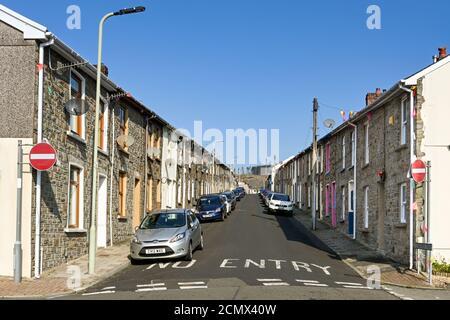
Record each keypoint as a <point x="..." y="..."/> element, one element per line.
<point x="137" y="159"/>
<point x="364" y="183"/>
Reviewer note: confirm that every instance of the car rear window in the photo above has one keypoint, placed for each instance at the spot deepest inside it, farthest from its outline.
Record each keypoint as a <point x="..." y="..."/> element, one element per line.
<point x="280" y="197"/>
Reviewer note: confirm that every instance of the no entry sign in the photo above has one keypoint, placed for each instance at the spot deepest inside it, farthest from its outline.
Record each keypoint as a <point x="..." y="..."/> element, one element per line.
<point x="42" y="157"/>
<point x="419" y="171"/>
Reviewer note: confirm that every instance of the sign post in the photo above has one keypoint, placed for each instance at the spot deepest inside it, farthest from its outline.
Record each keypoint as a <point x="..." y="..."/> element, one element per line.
<point x="18" y="243"/>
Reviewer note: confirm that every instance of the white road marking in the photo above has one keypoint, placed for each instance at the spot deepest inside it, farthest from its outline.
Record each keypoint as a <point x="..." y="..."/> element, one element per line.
<point x="349" y="283"/>
<point x="151" y="289"/>
<point x="406" y="298"/>
<point x="191" y="283"/>
<point x="269" y="280"/>
<point x="150" y="285"/>
<point x="99" y="292"/>
<point x="193" y="287"/>
<point x="276" y="284"/>
<point x="108" y="288"/>
<point x="357" y="287"/>
<point x="307" y="281"/>
<point x="316" y="284"/>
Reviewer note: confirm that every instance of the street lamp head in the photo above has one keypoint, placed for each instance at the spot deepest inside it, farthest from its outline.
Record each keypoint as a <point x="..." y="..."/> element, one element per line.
<point x="129" y="11"/>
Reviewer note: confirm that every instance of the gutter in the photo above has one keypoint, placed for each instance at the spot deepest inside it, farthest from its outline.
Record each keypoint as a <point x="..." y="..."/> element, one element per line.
<point x="411" y="181"/>
<point x="37" y="243"/>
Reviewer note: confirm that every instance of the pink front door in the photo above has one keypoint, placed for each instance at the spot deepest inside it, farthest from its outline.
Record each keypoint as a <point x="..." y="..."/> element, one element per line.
<point x="333" y="205"/>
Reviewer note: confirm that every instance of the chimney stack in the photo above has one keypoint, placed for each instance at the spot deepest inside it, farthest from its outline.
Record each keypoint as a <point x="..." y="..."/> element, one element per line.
<point x="372" y="97"/>
<point x="104" y="69"/>
<point x="442" y="53"/>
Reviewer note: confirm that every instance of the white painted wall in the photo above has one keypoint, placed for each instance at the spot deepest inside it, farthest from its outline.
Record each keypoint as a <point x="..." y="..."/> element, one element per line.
<point x="8" y="196"/>
<point x="436" y="117"/>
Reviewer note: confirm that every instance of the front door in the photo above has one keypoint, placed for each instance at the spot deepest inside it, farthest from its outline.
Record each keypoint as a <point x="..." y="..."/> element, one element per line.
<point x="136" y="203"/>
<point x="102" y="214"/>
<point x="333" y="205"/>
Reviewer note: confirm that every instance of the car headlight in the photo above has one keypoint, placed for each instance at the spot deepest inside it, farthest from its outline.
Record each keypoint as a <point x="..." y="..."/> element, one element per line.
<point x="218" y="210"/>
<point x="135" y="239"/>
<point x="178" y="237"/>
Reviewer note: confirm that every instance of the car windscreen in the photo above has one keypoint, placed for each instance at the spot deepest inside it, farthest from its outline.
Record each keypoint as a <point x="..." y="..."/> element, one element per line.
<point x="206" y="202"/>
<point x="280" y="197"/>
<point x="164" y="220"/>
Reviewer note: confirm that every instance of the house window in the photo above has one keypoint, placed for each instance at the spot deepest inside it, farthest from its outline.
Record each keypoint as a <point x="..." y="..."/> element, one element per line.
<point x="327" y="200"/>
<point x="343" y="152"/>
<point x="189" y="190"/>
<point x="366" y="208"/>
<point x="122" y="194"/>
<point x="404" y="119"/>
<point x="328" y="158"/>
<point x="403" y="203"/>
<point x="149" y="193"/>
<point x="75" y="204"/>
<point x="353" y="147"/>
<point x="179" y="192"/>
<point x="158" y="193"/>
<point x="150" y="138"/>
<point x="351" y="194"/>
<point x="309" y="163"/>
<point x="300" y="195"/>
<point x="366" y="144"/>
<point x="309" y="197"/>
<point x="77" y="91"/>
<point x="103" y="128"/>
<point x="343" y="203"/>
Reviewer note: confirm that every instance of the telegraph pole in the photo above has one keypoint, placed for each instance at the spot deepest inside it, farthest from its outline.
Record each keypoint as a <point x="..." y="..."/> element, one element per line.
<point x="314" y="162"/>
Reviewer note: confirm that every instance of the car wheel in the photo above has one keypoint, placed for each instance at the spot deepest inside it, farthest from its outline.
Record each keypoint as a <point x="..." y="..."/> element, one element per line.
<point x="188" y="256"/>
<point x="201" y="246"/>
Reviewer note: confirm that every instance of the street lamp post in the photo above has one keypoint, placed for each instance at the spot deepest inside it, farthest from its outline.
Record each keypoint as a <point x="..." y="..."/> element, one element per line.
<point x="93" y="226"/>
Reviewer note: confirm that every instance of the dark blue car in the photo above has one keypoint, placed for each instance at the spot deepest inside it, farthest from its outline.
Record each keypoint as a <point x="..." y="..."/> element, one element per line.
<point x="211" y="208"/>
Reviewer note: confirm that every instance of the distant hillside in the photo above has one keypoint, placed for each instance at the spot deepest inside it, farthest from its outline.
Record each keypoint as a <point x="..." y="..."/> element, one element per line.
<point x="254" y="182"/>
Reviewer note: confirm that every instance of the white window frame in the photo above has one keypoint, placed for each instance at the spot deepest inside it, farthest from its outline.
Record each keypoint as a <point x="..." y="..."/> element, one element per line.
<point x="353" y="138"/>
<point x="366" y="208"/>
<point x="321" y="159"/>
<point x="344" y="213"/>
<point x="366" y="144"/>
<point x="80" y="226"/>
<point x="83" y="98"/>
<point x="351" y="189"/>
<point x="309" y="163"/>
<point x="404" y="120"/>
<point x="403" y="202"/>
<point x="343" y="152"/>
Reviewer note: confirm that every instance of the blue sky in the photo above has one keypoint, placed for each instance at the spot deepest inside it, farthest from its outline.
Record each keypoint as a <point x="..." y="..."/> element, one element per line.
<point x="253" y="63"/>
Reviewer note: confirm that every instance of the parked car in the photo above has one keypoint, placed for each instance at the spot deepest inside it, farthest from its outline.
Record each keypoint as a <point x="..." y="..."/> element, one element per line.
<point x="167" y="234"/>
<point x="231" y="199"/>
<point x="279" y="202"/>
<point x="227" y="203"/>
<point x="211" y="207"/>
<point x="267" y="198"/>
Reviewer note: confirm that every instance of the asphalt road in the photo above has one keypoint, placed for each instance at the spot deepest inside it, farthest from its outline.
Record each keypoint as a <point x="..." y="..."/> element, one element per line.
<point x="251" y="255"/>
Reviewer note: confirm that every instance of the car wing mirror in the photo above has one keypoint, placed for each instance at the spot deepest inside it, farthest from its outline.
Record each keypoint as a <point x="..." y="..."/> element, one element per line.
<point x="136" y="228"/>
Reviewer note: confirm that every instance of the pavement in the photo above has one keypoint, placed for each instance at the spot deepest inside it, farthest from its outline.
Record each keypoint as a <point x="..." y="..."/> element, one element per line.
<point x="69" y="278"/>
<point x="360" y="257"/>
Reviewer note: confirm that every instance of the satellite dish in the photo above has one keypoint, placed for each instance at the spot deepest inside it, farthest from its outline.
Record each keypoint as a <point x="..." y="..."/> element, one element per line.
<point x="76" y="107"/>
<point x="329" y="123"/>
<point x="125" y="141"/>
<point x="170" y="162"/>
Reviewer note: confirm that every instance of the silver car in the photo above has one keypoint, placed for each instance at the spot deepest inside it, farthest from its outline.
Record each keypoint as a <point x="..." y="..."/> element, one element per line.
<point x="167" y="234"/>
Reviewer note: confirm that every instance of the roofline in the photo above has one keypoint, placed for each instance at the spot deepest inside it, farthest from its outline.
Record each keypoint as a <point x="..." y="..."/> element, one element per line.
<point x="30" y="28"/>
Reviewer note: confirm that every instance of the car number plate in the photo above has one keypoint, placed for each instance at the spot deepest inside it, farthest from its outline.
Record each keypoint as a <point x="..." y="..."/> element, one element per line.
<point x="153" y="251"/>
<point x="207" y="215"/>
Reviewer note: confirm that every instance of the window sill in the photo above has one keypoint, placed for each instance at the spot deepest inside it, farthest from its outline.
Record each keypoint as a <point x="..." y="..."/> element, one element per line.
<point x="402" y="147"/>
<point x="365" y="230"/>
<point x="74" y="230"/>
<point x="365" y="166"/>
<point x="122" y="219"/>
<point x="103" y="152"/>
<point x="351" y="168"/>
<point x="342" y="221"/>
<point x="401" y="225"/>
<point x="76" y="137"/>
<point x="126" y="152"/>
<point x="342" y="170"/>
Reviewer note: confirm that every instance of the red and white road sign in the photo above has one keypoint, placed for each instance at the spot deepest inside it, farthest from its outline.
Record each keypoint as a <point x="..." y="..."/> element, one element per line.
<point x="42" y="157"/>
<point x="419" y="171"/>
